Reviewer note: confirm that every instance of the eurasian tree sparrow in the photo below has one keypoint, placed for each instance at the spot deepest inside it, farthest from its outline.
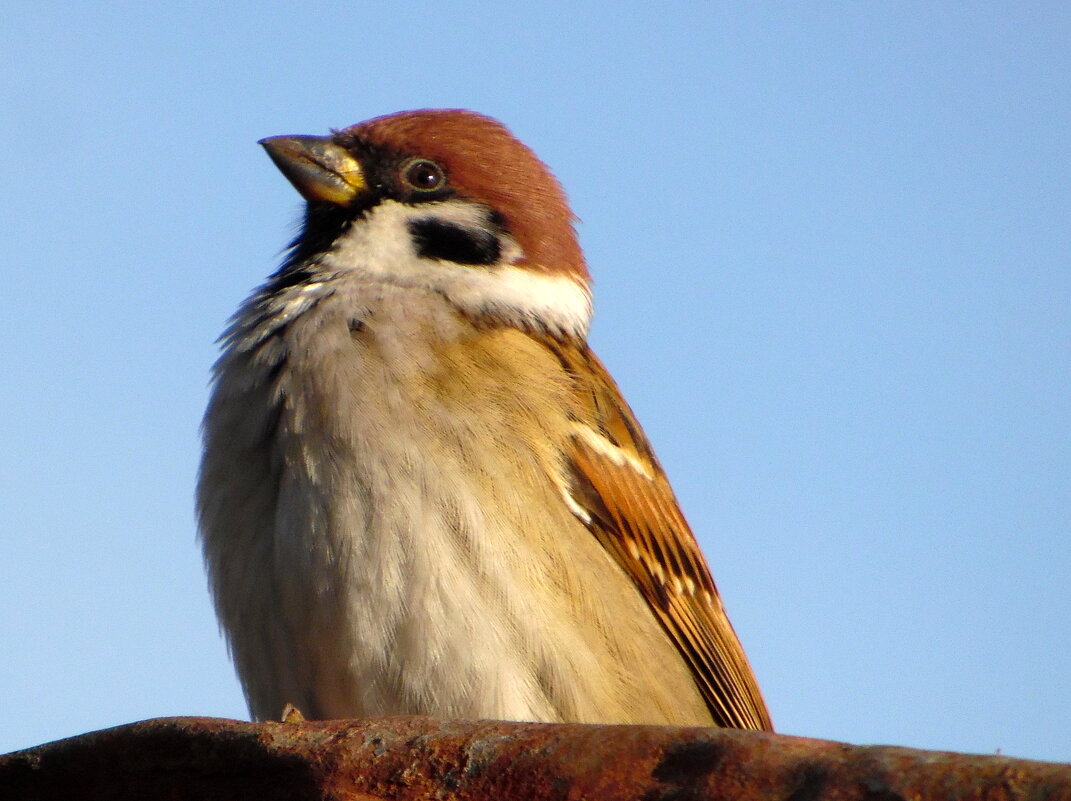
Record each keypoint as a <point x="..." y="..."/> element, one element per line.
<point x="421" y="491"/>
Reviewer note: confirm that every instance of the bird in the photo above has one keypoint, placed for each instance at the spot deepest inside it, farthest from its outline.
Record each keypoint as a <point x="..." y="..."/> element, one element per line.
<point x="421" y="492"/>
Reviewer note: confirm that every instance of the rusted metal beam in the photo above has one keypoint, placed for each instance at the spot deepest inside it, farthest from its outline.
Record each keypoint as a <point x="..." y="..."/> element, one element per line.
<point x="416" y="758"/>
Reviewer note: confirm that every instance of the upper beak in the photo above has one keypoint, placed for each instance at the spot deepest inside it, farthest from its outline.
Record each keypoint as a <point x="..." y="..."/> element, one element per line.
<point x="318" y="167"/>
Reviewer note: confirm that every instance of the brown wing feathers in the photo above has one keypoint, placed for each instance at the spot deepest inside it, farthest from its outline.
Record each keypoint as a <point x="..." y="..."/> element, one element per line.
<point x="616" y="479"/>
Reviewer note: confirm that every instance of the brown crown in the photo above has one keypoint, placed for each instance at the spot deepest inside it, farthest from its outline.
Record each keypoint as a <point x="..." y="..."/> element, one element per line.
<point x="486" y="162"/>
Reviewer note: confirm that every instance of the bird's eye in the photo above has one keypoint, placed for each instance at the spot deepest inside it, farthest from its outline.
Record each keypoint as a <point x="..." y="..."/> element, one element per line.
<point x="423" y="175"/>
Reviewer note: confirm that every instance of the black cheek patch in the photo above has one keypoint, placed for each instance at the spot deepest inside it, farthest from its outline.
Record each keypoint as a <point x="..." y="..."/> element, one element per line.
<point x="437" y="239"/>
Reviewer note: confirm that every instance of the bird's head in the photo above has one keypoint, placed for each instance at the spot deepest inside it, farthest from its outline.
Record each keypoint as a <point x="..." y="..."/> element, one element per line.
<point x="443" y="199"/>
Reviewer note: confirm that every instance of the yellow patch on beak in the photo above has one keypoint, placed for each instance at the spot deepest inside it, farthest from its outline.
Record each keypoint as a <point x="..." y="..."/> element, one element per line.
<point x="318" y="167"/>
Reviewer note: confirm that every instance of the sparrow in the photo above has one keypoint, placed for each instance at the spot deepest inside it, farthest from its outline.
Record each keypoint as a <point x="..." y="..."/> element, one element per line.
<point x="421" y="492"/>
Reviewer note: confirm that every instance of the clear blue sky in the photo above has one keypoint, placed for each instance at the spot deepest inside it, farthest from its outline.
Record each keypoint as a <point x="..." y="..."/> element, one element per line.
<point x="832" y="246"/>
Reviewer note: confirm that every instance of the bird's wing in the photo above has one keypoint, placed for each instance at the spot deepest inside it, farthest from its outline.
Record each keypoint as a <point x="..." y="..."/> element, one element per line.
<point x="620" y="491"/>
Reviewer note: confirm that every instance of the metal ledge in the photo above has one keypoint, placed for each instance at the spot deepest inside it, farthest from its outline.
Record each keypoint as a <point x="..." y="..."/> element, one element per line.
<point x="418" y="758"/>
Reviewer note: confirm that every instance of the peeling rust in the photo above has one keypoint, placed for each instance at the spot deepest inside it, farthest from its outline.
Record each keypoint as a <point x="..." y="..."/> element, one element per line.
<point x="811" y="781"/>
<point x="404" y="759"/>
<point x="681" y="770"/>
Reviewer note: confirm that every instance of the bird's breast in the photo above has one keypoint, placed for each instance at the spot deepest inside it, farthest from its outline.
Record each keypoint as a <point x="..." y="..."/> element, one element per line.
<point x="402" y="512"/>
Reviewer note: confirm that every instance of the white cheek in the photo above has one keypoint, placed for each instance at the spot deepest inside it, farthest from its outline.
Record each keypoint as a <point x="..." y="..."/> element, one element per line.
<point x="378" y="244"/>
<point x="380" y="247"/>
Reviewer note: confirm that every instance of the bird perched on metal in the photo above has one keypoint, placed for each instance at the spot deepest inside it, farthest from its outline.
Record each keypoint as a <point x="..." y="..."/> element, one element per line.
<point x="421" y="492"/>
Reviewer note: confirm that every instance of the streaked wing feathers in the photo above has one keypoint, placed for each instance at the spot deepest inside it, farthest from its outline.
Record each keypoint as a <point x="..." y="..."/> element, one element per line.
<point x="617" y="481"/>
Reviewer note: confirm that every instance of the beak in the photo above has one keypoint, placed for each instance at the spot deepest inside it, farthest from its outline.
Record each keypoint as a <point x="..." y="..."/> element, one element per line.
<point x="319" y="168"/>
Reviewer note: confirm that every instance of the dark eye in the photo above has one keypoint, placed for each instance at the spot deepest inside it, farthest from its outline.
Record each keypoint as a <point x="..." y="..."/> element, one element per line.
<point x="423" y="175"/>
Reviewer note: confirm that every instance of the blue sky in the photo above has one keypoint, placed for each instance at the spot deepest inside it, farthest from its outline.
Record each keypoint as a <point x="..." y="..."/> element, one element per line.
<point x="832" y="247"/>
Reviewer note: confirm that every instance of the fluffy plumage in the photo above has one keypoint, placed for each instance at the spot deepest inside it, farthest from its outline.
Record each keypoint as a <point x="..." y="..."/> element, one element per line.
<point x="421" y="492"/>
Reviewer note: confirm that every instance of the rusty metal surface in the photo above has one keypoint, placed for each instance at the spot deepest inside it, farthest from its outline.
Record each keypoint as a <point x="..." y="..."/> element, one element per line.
<point x="417" y="758"/>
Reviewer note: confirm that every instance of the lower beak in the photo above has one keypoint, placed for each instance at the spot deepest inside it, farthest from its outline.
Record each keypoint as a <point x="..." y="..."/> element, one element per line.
<point x="318" y="167"/>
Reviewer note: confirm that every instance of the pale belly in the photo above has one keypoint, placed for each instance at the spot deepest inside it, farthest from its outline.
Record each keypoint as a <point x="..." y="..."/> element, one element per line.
<point x="409" y="554"/>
